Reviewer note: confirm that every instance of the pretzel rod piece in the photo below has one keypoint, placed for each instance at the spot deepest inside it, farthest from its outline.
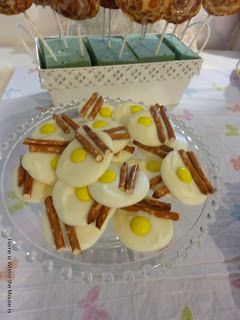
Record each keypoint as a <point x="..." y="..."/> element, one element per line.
<point x="102" y="216"/>
<point x="116" y="129"/>
<point x="200" y="171"/>
<point x="94" y="212"/>
<point x="27" y="186"/>
<point x="131" y="180"/>
<point x="119" y="136"/>
<point x="97" y="106"/>
<point x="155" y="180"/>
<point x="21" y="173"/>
<point x="61" y="123"/>
<point x="123" y="176"/>
<point x="98" y="142"/>
<point x="89" y="147"/>
<point x="129" y="149"/>
<point x="166" y="148"/>
<point x="160" y="192"/>
<point x="196" y="177"/>
<point x="74" y="125"/>
<point x="168" y="125"/>
<point x="46" y="149"/>
<point x="88" y="104"/>
<point x="73" y="240"/>
<point x="154" y="211"/>
<point x="157" y="204"/>
<point x="41" y="142"/>
<point x="156" y="117"/>
<point x="54" y="223"/>
<point x="155" y="150"/>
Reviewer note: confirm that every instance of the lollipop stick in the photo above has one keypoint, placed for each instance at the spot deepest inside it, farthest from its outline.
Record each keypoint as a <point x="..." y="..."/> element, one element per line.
<point x="80" y="40"/>
<point x="200" y="30"/>
<point x="109" y="28"/>
<point x="144" y="33"/>
<point x="124" y="43"/>
<point x="184" y="30"/>
<point x="60" y="30"/>
<point x="29" y="20"/>
<point x="104" y="22"/>
<point x="161" y="39"/>
<point x="68" y="27"/>
<point x="175" y="29"/>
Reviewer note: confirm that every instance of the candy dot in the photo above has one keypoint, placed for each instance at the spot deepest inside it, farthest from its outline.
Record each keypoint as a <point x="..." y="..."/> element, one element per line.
<point x="108" y="176"/>
<point x="184" y="174"/>
<point x="78" y="155"/>
<point x="140" y="225"/>
<point x="153" y="166"/>
<point x="48" y="128"/>
<point x="136" y="108"/>
<point x="145" y="121"/>
<point x="105" y="112"/>
<point x="99" y="124"/>
<point x="83" y="194"/>
<point x="54" y="162"/>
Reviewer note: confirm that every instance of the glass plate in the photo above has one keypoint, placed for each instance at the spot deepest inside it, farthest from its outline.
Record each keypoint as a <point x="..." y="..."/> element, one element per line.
<point x="108" y="260"/>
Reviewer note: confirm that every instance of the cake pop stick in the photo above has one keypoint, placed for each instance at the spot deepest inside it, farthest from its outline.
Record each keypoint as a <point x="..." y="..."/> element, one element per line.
<point x="144" y="32"/>
<point x="124" y="42"/>
<point x="68" y="27"/>
<point x="175" y="29"/>
<point x="29" y="20"/>
<point x="60" y="30"/>
<point x="80" y="40"/>
<point x="29" y="51"/>
<point x="109" y="28"/>
<point x="161" y="39"/>
<point x="104" y="22"/>
<point x="185" y="29"/>
<point x="206" y="20"/>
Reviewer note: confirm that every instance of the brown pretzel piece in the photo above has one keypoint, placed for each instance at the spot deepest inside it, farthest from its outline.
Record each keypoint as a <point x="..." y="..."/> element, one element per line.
<point x="97" y="106"/>
<point x="88" y="104"/>
<point x="21" y="173"/>
<point x="61" y="123"/>
<point x="102" y="216"/>
<point x="162" y="191"/>
<point x="27" y="186"/>
<point x="116" y="129"/>
<point x="119" y="136"/>
<point x="89" y="147"/>
<point x="157" y="120"/>
<point x="41" y="142"/>
<point x="167" y="123"/>
<point x="73" y="240"/>
<point x="74" y="125"/>
<point x="129" y="149"/>
<point x="94" y="211"/>
<point x="54" y="223"/>
<point x="98" y="141"/>
<point x="154" y="203"/>
<point x="155" y="181"/>
<point x="123" y="176"/>
<point x="131" y="180"/>
<point x="46" y="149"/>
<point x="154" y="211"/>
<point x="155" y="150"/>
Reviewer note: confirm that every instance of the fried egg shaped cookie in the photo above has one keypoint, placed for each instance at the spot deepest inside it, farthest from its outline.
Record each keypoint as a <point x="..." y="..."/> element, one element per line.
<point x="178" y="143"/>
<point x="178" y="180"/>
<point x="106" y="190"/>
<point x="141" y="231"/>
<point x="123" y="111"/>
<point x="41" y="166"/>
<point x="105" y="112"/>
<point x="77" y="168"/>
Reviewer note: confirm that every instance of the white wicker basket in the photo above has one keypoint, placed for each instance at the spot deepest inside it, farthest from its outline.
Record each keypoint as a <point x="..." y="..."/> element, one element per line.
<point x="147" y="82"/>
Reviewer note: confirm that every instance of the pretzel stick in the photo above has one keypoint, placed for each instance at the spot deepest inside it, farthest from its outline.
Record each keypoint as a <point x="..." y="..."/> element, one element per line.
<point x="94" y="211"/>
<point x="21" y="173"/>
<point x="154" y="181"/>
<point x="74" y="125"/>
<point x="46" y="149"/>
<point x="200" y="171"/>
<point x="54" y="223"/>
<point x="116" y="129"/>
<point x="89" y="147"/>
<point x="73" y="240"/>
<point x="95" y="138"/>
<point x="156" y="117"/>
<point x="102" y="216"/>
<point x="155" y="150"/>
<point x="166" y="148"/>
<point x="123" y="176"/>
<point x="88" y="104"/>
<point x="61" y="123"/>
<point x="168" y="125"/>
<point x="154" y="211"/>
<point x="157" y="204"/>
<point x="196" y="177"/>
<point x="119" y="136"/>
<point x="131" y="181"/>
<point x="129" y="149"/>
<point x="97" y="106"/>
<point x="160" y="192"/>
<point x="41" y="142"/>
<point x="27" y="186"/>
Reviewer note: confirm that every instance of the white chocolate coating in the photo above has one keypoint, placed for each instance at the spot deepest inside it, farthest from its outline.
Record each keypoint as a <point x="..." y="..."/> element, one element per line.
<point x="123" y="111"/>
<point x="99" y="115"/>
<point x="179" y="143"/>
<point x="122" y="156"/>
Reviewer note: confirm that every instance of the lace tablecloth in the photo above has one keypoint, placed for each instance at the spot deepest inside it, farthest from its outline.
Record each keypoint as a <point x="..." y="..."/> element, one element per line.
<point x="205" y="286"/>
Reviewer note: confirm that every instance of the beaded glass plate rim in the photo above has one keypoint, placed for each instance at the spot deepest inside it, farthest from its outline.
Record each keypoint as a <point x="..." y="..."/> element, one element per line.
<point x="156" y="265"/>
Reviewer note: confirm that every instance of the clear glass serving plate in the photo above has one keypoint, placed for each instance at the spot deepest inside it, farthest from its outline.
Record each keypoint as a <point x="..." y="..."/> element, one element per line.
<point x="108" y="260"/>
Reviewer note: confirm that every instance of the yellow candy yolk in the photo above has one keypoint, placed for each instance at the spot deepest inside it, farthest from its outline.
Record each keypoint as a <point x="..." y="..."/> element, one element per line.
<point x="83" y="194"/>
<point x="140" y="225"/>
<point x="105" y="112"/>
<point x="145" y="121"/>
<point x="108" y="176"/>
<point x="48" y="128"/>
<point x="78" y="155"/>
<point x="184" y="174"/>
<point x="153" y="166"/>
<point x="54" y="162"/>
<point x="136" y="108"/>
<point x="99" y="124"/>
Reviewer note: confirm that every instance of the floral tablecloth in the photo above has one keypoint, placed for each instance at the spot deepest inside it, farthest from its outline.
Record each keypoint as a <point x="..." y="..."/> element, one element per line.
<point x="204" y="286"/>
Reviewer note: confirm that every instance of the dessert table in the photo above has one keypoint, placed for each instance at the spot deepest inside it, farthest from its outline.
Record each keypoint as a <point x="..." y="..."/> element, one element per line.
<point x="203" y="285"/>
